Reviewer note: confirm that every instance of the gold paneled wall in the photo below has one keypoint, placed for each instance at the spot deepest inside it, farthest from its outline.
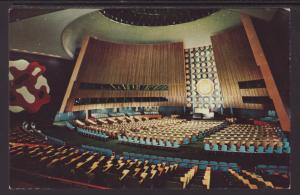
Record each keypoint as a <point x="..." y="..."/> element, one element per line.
<point x="137" y="64"/>
<point x="235" y="63"/>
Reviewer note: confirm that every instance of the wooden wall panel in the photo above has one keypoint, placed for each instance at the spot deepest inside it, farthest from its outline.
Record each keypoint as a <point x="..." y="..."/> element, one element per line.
<point x="107" y="62"/>
<point x="254" y="92"/>
<point x="235" y="62"/>
<point x="264" y="65"/>
<point x="115" y="63"/>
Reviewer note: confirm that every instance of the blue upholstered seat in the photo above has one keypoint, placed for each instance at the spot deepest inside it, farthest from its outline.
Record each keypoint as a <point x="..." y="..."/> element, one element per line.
<point x="232" y="165"/>
<point x="233" y="148"/>
<point x="170" y="159"/>
<point x="139" y="155"/>
<point x="69" y="125"/>
<point x="148" y="142"/>
<point x="224" y="148"/>
<point x="186" y="141"/>
<point x="182" y="164"/>
<point x="161" y="143"/>
<point x="269" y="150"/>
<point x="278" y="150"/>
<point x="176" y="145"/>
<point x="195" y="162"/>
<point x="261" y="166"/>
<point x="214" y="165"/>
<point x="286" y="144"/>
<point x="154" y="142"/>
<point x="125" y="139"/>
<point x="251" y="149"/>
<point x="242" y="148"/>
<point x="270" y="171"/>
<point x="260" y="149"/>
<point x="168" y="144"/>
<point x="203" y="164"/>
<point x="130" y="140"/>
<point x="215" y="147"/>
<point x="186" y="160"/>
<point x="136" y="140"/>
<point x="272" y="167"/>
<point x="223" y="166"/>
<point x="206" y="147"/>
<point x="194" y="138"/>
<point x="287" y="150"/>
<point x="142" y="141"/>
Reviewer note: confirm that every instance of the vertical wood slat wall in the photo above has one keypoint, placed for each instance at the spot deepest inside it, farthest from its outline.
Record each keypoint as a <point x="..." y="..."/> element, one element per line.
<point x="117" y="63"/>
<point x="235" y="62"/>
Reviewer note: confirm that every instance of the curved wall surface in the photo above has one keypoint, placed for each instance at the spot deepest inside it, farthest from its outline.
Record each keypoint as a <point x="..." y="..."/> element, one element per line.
<point x="59" y="33"/>
<point x="192" y="34"/>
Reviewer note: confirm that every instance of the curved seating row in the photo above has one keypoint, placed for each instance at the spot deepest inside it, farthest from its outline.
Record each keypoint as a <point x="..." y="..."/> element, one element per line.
<point x="272" y="168"/>
<point x="149" y="142"/>
<point x="184" y="132"/>
<point x="70" y="126"/>
<point x="248" y="138"/>
<point x="162" y="133"/>
<point x="91" y="133"/>
<point x="186" y="163"/>
<point x="130" y="170"/>
<point x="244" y="149"/>
<point x="102" y="151"/>
<point x="72" y="164"/>
<point x="116" y="114"/>
<point x="18" y="135"/>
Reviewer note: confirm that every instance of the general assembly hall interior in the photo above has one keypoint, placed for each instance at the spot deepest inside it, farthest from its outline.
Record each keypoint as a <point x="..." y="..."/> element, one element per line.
<point x="149" y="98"/>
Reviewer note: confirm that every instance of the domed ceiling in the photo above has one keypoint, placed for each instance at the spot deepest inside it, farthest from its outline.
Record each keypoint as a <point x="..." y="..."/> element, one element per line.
<point x="59" y="33"/>
<point x="156" y="17"/>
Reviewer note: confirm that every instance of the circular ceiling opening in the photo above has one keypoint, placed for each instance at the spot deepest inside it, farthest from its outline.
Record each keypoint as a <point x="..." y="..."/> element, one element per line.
<point x="156" y="17"/>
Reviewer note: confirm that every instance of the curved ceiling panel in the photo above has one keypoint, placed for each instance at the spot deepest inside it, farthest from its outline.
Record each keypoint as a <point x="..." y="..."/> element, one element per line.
<point x="60" y="33"/>
<point x="42" y="34"/>
<point x="192" y="34"/>
<point x="156" y="16"/>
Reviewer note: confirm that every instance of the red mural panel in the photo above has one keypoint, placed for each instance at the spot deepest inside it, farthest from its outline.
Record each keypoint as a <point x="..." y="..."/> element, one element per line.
<point x="29" y="89"/>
